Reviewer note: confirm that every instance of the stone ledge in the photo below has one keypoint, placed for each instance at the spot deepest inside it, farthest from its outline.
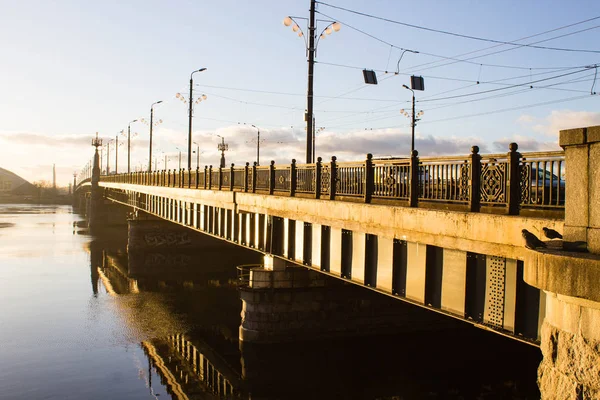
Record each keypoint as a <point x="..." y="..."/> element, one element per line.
<point x="579" y="136"/>
<point x="593" y="134"/>
<point x="566" y="273"/>
<point x="572" y="137"/>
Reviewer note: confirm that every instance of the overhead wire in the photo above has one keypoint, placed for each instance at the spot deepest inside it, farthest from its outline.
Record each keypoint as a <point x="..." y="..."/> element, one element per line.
<point x="459" y="34"/>
<point x="454" y="59"/>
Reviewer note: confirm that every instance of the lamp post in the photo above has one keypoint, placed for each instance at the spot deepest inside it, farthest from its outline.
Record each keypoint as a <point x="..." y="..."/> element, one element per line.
<point x="414" y="118"/>
<point x="190" y="116"/>
<point x="197" y="154"/>
<point x="129" y="145"/>
<point x="257" y="141"/>
<point x="151" y="122"/>
<point x="117" y="154"/>
<point x="108" y="157"/>
<point x="179" y="156"/>
<point x="311" y="50"/>
<point x="223" y="147"/>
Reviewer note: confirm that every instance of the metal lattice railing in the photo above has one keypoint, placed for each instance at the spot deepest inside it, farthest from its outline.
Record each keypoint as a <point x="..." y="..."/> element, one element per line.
<point x="514" y="181"/>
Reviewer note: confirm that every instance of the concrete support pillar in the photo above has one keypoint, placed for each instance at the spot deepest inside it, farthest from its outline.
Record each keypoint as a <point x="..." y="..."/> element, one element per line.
<point x="282" y="303"/>
<point x="582" y="203"/>
<point x="571" y="349"/>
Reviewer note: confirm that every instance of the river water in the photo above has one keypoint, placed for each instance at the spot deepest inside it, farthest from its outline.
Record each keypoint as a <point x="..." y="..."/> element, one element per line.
<point x="76" y="323"/>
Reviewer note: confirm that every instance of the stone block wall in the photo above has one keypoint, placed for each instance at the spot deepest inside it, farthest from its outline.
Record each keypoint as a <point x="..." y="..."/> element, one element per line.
<point x="570" y="344"/>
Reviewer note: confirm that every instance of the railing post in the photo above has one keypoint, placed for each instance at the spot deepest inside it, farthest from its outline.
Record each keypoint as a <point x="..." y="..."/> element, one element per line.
<point x="293" y="178"/>
<point x="369" y="178"/>
<point x="231" y="172"/>
<point x="205" y="177"/>
<point x="414" y="179"/>
<point x="318" y="167"/>
<point x="513" y="186"/>
<point x="169" y="178"/>
<point x="475" y="180"/>
<point x="181" y="177"/>
<point x="197" y="175"/>
<point x="210" y="176"/>
<point x="254" y="177"/>
<point x="189" y="172"/>
<point x="246" y="177"/>
<point x="272" y="177"/>
<point x="332" y="178"/>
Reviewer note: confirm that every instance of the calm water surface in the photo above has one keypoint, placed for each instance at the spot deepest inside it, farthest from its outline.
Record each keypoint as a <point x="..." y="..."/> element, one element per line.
<point x="78" y="322"/>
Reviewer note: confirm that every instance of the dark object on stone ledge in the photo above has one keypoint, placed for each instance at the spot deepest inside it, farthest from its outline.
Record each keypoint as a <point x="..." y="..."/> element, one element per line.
<point x="531" y="241"/>
<point x="551" y="233"/>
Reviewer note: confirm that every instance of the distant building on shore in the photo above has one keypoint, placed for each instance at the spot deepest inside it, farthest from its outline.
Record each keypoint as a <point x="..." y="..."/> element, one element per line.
<point x="13" y="185"/>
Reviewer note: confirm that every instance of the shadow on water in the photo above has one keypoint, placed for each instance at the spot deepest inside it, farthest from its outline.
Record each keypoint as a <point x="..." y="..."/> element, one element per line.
<point x="186" y="312"/>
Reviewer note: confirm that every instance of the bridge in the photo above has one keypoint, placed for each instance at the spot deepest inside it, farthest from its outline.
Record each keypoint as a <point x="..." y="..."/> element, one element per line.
<point x="441" y="233"/>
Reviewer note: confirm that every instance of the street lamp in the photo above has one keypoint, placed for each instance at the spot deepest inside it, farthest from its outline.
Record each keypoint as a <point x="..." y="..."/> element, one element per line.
<point x="129" y="145"/>
<point x="198" y="154"/>
<point x="203" y="97"/>
<point x="413" y="117"/>
<point x="311" y="49"/>
<point x="223" y="147"/>
<point x="151" y="123"/>
<point x="117" y="153"/>
<point x="179" y="156"/>
<point x="257" y="142"/>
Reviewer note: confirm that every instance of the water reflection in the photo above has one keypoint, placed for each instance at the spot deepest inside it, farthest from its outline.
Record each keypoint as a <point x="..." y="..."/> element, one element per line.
<point x="206" y="356"/>
<point x="169" y="329"/>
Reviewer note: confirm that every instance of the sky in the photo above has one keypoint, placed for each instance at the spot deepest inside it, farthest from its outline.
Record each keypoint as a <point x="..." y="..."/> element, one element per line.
<point x="72" y="68"/>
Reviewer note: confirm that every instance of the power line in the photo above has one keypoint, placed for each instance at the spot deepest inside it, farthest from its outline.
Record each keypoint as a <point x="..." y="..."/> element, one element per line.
<point x="485" y="98"/>
<point x="462" y="35"/>
<point x="507" y="109"/>
<point x="455" y="60"/>
<point x="503" y="88"/>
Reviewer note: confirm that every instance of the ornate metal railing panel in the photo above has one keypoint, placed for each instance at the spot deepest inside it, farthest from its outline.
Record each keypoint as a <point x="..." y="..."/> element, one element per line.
<point x="225" y="179"/>
<point x="444" y="179"/>
<point x="391" y="179"/>
<point x="350" y="179"/>
<point x="263" y="178"/>
<point x="201" y="179"/>
<point x="325" y="180"/>
<point x="283" y="178"/>
<point x="305" y="178"/>
<point x="494" y="180"/>
<point x="214" y="179"/>
<point x="542" y="180"/>
<point x="239" y="178"/>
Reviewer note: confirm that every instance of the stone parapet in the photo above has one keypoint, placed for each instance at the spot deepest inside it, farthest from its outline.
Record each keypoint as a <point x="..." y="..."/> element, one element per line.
<point x="582" y="205"/>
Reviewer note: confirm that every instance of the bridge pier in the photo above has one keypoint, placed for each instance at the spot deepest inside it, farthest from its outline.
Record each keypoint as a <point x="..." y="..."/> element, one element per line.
<point x="283" y="303"/>
<point x="155" y="245"/>
<point x="570" y="340"/>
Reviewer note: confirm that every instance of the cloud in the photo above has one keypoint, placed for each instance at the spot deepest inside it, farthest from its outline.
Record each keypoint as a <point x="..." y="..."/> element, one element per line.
<point x="284" y="144"/>
<point x="525" y="144"/>
<point x="558" y="120"/>
<point x="526" y="119"/>
<point x="37" y="139"/>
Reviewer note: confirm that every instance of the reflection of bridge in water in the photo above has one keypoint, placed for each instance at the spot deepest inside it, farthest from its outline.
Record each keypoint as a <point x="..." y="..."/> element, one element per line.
<point x="207" y="359"/>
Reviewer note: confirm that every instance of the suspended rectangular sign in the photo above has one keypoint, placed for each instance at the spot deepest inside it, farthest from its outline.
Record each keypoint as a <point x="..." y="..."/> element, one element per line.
<point x="370" y="77"/>
<point x="417" y="83"/>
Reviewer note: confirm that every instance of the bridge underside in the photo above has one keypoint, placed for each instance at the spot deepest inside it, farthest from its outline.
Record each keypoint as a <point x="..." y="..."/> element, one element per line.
<point x="483" y="289"/>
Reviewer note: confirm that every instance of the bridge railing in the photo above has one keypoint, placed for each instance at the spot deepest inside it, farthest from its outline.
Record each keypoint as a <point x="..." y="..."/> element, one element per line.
<point x="498" y="183"/>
